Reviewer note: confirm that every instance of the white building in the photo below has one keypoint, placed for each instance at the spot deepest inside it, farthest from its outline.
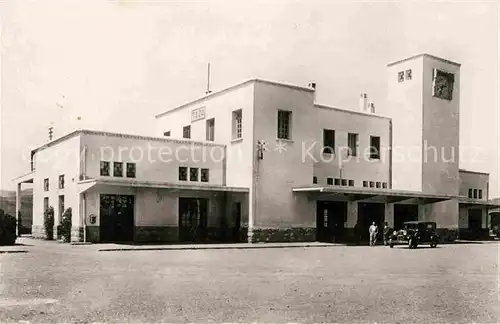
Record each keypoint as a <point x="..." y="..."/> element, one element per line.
<point x="261" y="161"/>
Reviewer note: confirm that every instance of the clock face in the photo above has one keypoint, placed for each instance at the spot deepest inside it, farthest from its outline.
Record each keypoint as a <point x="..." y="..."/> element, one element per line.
<point x="443" y="85"/>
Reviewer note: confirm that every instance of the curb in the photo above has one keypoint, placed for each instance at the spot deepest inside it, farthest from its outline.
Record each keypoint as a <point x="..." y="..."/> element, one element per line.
<point x="250" y="247"/>
<point x="13" y="251"/>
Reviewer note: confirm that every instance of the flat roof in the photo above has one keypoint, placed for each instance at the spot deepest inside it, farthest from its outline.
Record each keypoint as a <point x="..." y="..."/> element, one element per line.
<point x="122" y="135"/>
<point x="234" y="87"/>
<point x="426" y="55"/>
<point x="351" y="111"/>
<point x="476" y="172"/>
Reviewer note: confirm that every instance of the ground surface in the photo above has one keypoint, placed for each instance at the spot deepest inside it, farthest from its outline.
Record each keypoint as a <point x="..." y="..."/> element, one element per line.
<point x="53" y="282"/>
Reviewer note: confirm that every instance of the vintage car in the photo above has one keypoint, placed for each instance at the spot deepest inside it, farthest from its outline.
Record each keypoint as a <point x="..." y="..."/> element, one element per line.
<point x="415" y="233"/>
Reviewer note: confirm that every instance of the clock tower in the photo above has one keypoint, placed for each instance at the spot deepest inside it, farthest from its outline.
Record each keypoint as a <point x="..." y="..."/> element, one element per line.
<point x="423" y="102"/>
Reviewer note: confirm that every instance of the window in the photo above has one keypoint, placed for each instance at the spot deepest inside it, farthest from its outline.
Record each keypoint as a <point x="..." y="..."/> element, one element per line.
<point x="237" y="124"/>
<point x="186" y="131"/>
<point x="284" y="120"/>
<point x="480" y="194"/>
<point x="329" y="181"/>
<point x="372" y="184"/>
<point x="166" y="133"/>
<point x="183" y="173"/>
<point x="61" y="206"/>
<point x="204" y="175"/>
<point x="352" y="143"/>
<point x="46" y="184"/>
<point x="351" y="183"/>
<point x="384" y="185"/>
<point x="378" y="184"/>
<point x="61" y="181"/>
<point x="45" y="203"/>
<point x="401" y="76"/>
<point x="344" y="182"/>
<point x="365" y="183"/>
<point x="470" y="193"/>
<point x="328" y="141"/>
<point x="374" y="147"/>
<point x="117" y="169"/>
<point x="475" y="193"/>
<point x="193" y="174"/>
<point x="337" y="182"/>
<point x="105" y="169"/>
<point x="211" y="129"/>
<point x="130" y="170"/>
<point x="315" y="180"/>
<point x="408" y="74"/>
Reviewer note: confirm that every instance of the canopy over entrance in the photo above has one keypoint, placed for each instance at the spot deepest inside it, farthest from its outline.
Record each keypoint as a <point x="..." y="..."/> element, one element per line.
<point x="372" y="195"/>
<point x="477" y="203"/>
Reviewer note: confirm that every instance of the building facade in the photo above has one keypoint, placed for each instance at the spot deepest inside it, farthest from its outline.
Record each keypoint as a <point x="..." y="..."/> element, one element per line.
<point x="262" y="161"/>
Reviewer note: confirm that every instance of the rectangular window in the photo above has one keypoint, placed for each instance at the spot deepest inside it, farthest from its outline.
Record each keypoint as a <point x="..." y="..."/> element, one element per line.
<point x="344" y="182"/>
<point x="401" y="76"/>
<point x="284" y="124"/>
<point x="351" y="183"/>
<point x="61" y="181"/>
<point x="45" y="203"/>
<point x="475" y="193"/>
<point x="480" y="194"/>
<point x="183" y="171"/>
<point x="384" y="185"/>
<point x="408" y="74"/>
<point x="46" y="184"/>
<point x="105" y="169"/>
<point x="352" y="143"/>
<point x="117" y="169"/>
<point x="211" y="129"/>
<point x="378" y="184"/>
<point x="186" y="131"/>
<point x="204" y="175"/>
<point x="193" y="174"/>
<point x="329" y="181"/>
<point x="337" y="181"/>
<point x="166" y="133"/>
<point x="328" y="141"/>
<point x="130" y="170"/>
<point x="237" y="124"/>
<point x="470" y="193"/>
<point x="374" y="147"/>
<point x="365" y="183"/>
<point x="61" y="206"/>
<point x="315" y="180"/>
<point x="372" y="184"/>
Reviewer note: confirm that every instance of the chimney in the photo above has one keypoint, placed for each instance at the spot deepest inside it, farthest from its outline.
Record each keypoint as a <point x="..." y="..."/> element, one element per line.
<point x="363" y="102"/>
<point x="312" y="85"/>
<point x="371" y="107"/>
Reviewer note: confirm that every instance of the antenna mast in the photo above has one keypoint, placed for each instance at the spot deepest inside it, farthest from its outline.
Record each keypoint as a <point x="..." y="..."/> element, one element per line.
<point x="208" y="81"/>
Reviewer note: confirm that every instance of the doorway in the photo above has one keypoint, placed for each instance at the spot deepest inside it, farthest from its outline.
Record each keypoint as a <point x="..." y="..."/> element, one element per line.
<point x="193" y="219"/>
<point x="475" y="223"/>
<point x="237" y="221"/>
<point x="330" y="219"/>
<point x="116" y="218"/>
<point x="367" y="214"/>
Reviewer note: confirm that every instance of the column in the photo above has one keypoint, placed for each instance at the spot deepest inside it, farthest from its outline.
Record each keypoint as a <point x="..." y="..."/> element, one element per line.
<point x="18" y="206"/>
<point x="389" y="214"/>
<point x="352" y="220"/>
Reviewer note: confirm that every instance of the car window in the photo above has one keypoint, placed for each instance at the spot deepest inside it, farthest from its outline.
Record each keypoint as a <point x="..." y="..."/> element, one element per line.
<point x="430" y="226"/>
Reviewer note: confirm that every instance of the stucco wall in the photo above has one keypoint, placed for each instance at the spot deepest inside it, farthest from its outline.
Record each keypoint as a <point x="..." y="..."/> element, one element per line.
<point x="473" y="180"/>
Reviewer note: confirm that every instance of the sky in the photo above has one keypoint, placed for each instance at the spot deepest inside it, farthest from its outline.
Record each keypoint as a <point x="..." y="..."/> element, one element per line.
<point x="113" y="65"/>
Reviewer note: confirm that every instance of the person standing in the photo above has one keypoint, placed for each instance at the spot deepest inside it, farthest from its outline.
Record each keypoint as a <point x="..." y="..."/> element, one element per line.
<point x="373" y="230"/>
<point x="387" y="231"/>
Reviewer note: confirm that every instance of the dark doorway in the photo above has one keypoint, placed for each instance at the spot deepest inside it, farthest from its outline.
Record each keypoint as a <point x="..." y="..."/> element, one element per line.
<point x="475" y="223"/>
<point x="116" y="218"/>
<point x="237" y="221"/>
<point x="404" y="213"/>
<point x="367" y="214"/>
<point x="330" y="218"/>
<point x="193" y="219"/>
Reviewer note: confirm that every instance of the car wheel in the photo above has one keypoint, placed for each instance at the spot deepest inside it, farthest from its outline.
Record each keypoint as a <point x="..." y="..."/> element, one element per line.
<point x="433" y="244"/>
<point x="391" y="245"/>
<point x="410" y="243"/>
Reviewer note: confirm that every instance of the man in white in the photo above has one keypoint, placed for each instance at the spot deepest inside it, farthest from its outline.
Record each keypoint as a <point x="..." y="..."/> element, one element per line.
<point x="373" y="234"/>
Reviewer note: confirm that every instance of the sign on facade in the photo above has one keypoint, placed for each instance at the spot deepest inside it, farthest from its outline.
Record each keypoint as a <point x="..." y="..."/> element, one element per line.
<point x="197" y="114"/>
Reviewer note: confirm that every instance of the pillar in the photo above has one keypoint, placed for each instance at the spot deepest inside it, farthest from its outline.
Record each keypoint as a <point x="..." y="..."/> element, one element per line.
<point x="251" y="214"/>
<point x="389" y="214"/>
<point x="18" y="207"/>
<point x="352" y="214"/>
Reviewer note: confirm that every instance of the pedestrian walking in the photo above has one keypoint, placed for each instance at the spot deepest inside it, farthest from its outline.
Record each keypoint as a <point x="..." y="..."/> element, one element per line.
<point x="387" y="233"/>
<point x="373" y="230"/>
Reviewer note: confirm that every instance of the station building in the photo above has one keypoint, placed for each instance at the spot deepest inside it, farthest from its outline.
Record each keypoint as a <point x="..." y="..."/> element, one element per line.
<point x="263" y="162"/>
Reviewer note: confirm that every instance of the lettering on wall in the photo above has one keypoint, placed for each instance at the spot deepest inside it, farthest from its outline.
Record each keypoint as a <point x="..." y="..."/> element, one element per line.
<point x="198" y="114"/>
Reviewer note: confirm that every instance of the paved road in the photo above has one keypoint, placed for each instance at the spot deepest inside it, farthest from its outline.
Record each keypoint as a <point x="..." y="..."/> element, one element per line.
<point x="62" y="283"/>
